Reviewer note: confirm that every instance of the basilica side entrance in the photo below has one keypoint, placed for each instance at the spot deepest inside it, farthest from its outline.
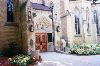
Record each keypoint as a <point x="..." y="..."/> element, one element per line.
<point x="41" y="42"/>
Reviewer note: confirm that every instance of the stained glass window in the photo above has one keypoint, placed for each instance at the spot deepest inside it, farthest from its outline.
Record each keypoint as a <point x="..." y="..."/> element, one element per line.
<point x="9" y="11"/>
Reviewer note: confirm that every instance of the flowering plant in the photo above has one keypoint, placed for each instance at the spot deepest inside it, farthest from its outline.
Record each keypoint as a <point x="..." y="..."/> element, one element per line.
<point x="21" y="60"/>
<point x="85" y="49"/>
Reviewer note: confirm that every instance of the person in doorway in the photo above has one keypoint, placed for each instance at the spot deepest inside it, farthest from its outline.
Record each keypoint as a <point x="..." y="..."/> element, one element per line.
<point x="63" y="44"/>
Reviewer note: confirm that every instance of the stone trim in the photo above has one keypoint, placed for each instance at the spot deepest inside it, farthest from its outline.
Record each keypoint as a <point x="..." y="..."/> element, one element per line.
<point x="78" y="35"/>
<point x="10" y="24"/>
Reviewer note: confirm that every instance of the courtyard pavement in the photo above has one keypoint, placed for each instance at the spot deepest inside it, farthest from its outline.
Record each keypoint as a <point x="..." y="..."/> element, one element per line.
<point x="58" y="59"/>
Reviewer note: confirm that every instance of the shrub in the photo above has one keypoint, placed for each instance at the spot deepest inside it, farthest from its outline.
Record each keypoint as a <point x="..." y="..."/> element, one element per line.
<point x="12" y="50"/>
<point x="1" y="53"/>
<point x="98" y="50"/>
<point x="85" y="49"/>
<point x="21" y="60"/>
<point x="24" y="60"/>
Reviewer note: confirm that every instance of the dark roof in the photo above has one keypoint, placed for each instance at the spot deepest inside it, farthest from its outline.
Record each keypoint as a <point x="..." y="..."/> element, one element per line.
<point x="40" y="6"/>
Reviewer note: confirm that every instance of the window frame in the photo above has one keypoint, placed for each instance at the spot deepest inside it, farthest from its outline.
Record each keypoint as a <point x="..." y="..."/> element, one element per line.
<point x="11" y="11"/>
<point x="95" y="17"/>
<point x="9" y="23"/>
<point x="77" y="25"/>
<point x="77" y="21"/>
<point x="87" y="20"/>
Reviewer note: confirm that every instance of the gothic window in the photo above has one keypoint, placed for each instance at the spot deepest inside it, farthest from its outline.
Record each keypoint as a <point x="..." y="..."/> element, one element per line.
<point x="87" y="20"/>
<point x="96" y="20"/>
<point x="77" y="25"/>
<point x="9" y="11"/>
<point x="77" y="21"/>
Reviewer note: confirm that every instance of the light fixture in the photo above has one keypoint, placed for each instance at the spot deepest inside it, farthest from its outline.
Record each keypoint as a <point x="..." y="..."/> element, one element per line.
<point x="31" y="28"/>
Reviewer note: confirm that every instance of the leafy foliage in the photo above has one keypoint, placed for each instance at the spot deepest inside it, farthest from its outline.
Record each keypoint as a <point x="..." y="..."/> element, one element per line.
<point x="85" y="49"/>
<point x="20" y="60"/>
<point x="12" y="50"/>
<point x="24" y="60"/>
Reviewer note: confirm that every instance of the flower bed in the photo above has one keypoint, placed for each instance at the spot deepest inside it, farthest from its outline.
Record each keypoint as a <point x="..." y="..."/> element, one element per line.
<point x="85" y="49"/>
<point x="22" y="60"/>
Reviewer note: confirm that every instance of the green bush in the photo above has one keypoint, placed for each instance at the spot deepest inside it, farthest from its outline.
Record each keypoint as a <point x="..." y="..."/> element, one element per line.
<point x="85" y="49"/>
<point x="12" y="50"/>
<point x="1" y="53"/>
<point x="20" y="60"/>
<point x="98" y="50"/>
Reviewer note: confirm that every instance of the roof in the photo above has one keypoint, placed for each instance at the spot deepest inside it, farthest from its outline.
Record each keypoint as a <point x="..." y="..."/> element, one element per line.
<point x="40" y="6"/>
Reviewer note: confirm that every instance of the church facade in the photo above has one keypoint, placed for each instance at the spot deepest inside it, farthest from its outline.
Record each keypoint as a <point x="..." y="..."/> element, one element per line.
<point x="80" y="21"/>
<point x="44" y="24"/>
<point x="28" y="23"/>
<point x="37" y="27"/>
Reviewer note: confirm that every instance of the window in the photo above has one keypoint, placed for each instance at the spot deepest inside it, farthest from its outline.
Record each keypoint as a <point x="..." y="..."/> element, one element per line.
<point x="87" y="20"/>
<point x="77" y="25"/>
<point x="9" y="11"/>
<point x="96" y="20"/>
<point x="77" y="21"/>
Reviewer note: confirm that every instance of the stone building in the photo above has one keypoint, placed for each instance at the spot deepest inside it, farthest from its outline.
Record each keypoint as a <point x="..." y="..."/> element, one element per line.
<point x="29" y="23"/>
<point x="80" y="21"/>
<point x="9" y="20"/>
<point x="35" y="25"/>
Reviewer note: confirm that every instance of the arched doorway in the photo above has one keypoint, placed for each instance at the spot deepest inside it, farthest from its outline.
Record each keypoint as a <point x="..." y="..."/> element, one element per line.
<point x="43" y="26"/>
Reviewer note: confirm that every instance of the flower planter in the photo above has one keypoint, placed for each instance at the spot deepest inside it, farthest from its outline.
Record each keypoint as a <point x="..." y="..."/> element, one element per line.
<point x="35" y="54"/>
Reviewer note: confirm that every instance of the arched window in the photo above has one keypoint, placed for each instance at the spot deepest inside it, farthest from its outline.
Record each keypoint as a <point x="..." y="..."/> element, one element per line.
<point x="77" y="21"/>
<point x="87" y="20"/>
<point x="9" y="11"/>
<point x="96" y="20"/>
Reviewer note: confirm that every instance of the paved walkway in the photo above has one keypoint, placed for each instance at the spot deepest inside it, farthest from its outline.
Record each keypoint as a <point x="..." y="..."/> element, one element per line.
<point x="57" y="59"/>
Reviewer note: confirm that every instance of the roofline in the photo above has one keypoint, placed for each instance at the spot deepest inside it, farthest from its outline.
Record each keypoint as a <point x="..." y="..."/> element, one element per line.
<point x="42" y="9"/>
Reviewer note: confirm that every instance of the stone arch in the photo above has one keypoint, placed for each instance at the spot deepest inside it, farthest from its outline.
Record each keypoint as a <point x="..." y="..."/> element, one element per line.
<point x="42" y="23"/>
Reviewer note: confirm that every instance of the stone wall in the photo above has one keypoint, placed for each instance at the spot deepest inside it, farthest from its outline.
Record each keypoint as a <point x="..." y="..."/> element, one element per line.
<point x="68" y="22"/>
<point x="8" y="31"/>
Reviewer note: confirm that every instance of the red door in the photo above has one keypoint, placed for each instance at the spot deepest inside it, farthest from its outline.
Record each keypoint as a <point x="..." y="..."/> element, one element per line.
<point x="41" y="42"/>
